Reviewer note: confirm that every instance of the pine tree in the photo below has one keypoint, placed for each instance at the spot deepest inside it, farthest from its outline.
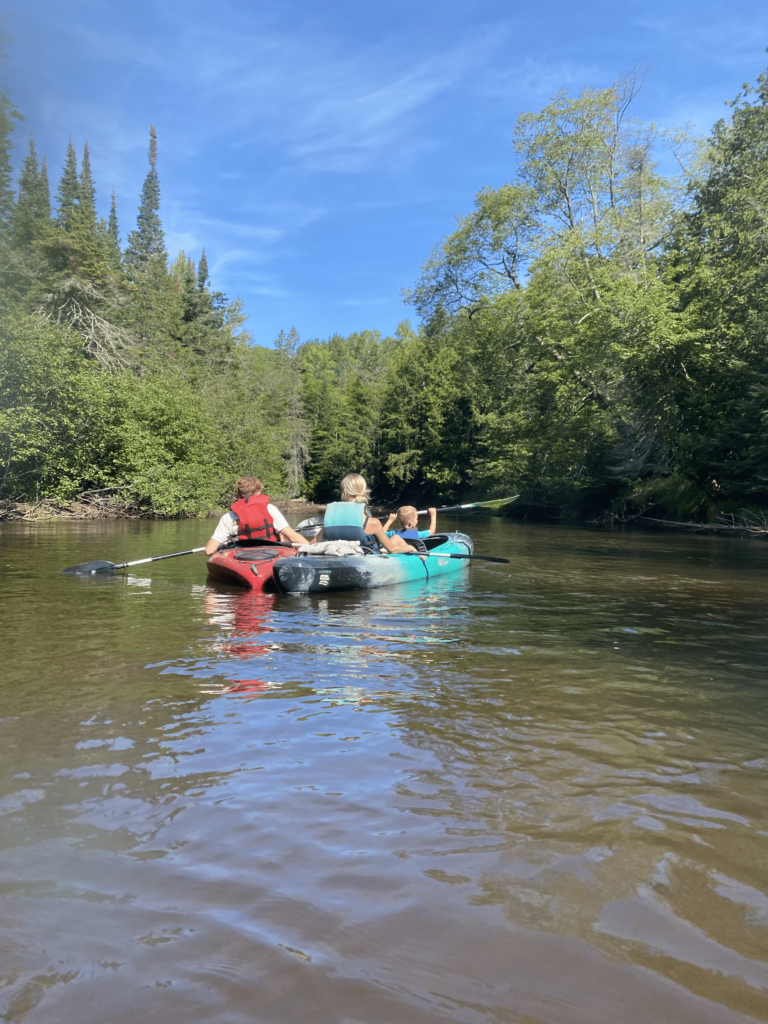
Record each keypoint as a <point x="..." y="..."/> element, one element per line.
<point x="87" y="194"/>
<point x="26" y="216"/>
<point x="294" y="412"/>
<point x="44" y="202"/>
<point x="113" y="230"/>
<point x="202" y="273"/>
<point x="69" y="191"/>
<point x="33" y="207"/>
<point x="8" y="114"/>
<point x="147" y="241"/>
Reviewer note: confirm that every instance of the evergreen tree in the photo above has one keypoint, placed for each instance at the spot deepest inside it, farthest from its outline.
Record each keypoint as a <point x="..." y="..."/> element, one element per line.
<point x="44" y="205"/>
<point x="69" y="191"/>
<point x="202" y="272"/>
<point x="8" y="115"/>
<point x="87" y="194"/>
<point x="113" y="229"/>
<point x="25" y="214"/>
<point x="147" y="241"/>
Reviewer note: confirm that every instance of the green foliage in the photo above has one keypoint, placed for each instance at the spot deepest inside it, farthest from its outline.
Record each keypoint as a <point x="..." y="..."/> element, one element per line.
<point x="68" y="192"/>
<point x="147" y="242"/>
<point x="113" y="228"/>
<point x="594" y="336"/>
<point x="33" y="206"/>
<point x="126" y="372"/>
<point x="342" y="393"/>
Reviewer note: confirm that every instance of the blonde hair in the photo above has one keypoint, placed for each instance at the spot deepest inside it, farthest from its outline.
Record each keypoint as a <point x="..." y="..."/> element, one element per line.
<point x="355" y="486"/>
<point x="406" y="512"/>
<point x="248" y="485"/>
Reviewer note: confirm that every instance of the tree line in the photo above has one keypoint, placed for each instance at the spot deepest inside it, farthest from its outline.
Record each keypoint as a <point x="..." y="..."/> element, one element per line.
<point x="592" y="334"/>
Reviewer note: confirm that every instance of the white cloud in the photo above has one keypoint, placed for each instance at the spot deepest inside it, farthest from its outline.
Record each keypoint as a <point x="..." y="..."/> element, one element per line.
<point x="328" y="111"/>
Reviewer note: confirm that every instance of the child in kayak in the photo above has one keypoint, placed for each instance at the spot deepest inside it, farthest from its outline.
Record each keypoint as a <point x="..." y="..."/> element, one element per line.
<point x="408" y="518"/>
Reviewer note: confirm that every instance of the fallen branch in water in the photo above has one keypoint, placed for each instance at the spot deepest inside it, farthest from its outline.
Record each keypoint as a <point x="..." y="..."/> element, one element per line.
<point x="754" y="524"/>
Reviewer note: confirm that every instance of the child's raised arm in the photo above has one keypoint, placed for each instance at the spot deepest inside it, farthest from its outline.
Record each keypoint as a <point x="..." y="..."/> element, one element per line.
<point x="432" y="521"/>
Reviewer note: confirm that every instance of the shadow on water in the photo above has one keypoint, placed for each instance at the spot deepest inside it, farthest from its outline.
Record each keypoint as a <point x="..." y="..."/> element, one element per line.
<point x="533" y="792"/>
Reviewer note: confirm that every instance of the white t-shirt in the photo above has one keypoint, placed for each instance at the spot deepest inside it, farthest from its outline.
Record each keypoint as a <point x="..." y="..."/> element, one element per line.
<point x="227" y="529"/>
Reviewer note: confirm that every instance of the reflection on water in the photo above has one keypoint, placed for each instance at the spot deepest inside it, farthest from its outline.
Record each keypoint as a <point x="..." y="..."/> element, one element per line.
<point x="533" y="792"/>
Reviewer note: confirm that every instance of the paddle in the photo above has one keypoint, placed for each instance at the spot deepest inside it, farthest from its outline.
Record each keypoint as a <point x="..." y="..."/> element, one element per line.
<point x="495" y="503"/>
<point x="438" y="554"/>
<point x="91" y="568"/>
<point x="309" y="524"/>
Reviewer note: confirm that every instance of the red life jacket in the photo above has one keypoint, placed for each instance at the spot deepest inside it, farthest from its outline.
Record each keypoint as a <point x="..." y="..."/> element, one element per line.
<point x="253" y="520"/>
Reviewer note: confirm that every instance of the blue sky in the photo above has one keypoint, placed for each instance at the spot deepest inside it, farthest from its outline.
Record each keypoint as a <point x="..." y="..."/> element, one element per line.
<point x="320" y="150"/>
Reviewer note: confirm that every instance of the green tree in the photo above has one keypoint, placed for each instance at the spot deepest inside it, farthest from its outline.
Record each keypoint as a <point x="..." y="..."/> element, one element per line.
<point x="147" y="242"/>
<point x="203" y="278"/>
<point x="68" y="194"/>
<point x="86" y="206"/>
<point x="9" y="115"/>
<point x="113" y="228"/>
<point x="720" y="262"/>
<point x="293" y="412"/>
<point x="33" y="206"/>
<point x="341" y="393"/>
<point x="44" y="201"/>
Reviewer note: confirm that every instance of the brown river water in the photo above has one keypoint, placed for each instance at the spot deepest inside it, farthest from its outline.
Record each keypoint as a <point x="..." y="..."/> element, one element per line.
<point x="532" y="793"/>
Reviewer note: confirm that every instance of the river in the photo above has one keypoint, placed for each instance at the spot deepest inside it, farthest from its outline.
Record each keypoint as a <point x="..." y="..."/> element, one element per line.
<point x="532" y="793"/>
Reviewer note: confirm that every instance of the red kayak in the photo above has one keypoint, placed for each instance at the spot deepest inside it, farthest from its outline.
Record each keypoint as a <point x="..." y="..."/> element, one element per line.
<point x="248" y="563"/>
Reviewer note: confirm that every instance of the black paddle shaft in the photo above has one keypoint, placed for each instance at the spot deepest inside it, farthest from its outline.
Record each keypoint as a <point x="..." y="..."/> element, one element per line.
<point x="91" y="568"/>
<point x="438" y="554"/>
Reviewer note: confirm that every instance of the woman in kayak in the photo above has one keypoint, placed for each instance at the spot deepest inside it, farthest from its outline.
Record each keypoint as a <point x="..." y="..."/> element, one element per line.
<point x="348" y="519"/>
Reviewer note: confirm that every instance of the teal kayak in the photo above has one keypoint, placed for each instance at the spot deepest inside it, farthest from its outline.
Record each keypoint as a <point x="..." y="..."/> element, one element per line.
<point x="317" y="574"/>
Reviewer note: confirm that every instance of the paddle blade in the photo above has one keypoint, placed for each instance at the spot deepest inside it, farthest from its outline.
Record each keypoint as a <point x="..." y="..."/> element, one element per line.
<point x="310" y="528"/>
<point x="309" y="523"/>
<point x="496" y="503"/>
<point x="89" y="568"/>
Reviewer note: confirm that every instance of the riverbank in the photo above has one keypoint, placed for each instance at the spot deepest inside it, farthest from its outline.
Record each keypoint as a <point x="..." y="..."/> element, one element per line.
<point x="98" y="505"/>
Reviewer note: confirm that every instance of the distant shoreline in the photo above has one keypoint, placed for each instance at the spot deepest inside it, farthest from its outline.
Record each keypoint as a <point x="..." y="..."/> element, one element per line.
<point x="83" y="511"/>
<point x="100" y="508"/>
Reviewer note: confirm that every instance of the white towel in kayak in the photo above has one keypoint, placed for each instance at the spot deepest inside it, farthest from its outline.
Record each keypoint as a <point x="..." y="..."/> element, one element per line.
<point x="332" y="547"/>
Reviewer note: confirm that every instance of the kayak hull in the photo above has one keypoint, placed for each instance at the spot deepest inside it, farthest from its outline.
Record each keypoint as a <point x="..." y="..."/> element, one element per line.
<point x="317" y="574"/>
<point x="248" y="565"/>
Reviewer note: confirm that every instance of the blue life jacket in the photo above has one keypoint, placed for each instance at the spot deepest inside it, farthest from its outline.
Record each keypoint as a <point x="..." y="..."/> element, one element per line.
<point x="412" y="534"/>
<point x="344" y="520"/>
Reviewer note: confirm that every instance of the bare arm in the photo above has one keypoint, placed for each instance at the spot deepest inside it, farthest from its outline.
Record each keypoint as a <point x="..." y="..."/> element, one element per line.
<point x="287" y="533"/>
<point x="392" y="544"/>
<point x="432" y="521"/>
<point x="211" y="547"/>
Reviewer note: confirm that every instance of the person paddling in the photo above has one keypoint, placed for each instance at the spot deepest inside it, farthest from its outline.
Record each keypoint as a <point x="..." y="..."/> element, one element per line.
<point x="348" y="519"/>
<point x="252" y="517"/>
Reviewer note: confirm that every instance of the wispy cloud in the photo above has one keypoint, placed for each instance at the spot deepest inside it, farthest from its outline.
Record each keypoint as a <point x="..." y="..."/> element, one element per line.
<point x="329" y="112"/>
<point x="319" y="151"/>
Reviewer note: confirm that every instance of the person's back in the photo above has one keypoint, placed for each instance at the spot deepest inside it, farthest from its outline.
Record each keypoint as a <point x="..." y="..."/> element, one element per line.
<point x="348" y="519"/>
<point x="344" y="520"/>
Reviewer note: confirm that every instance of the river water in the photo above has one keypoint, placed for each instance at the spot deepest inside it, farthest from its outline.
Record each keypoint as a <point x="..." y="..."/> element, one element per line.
<point x="532" y="793"/>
